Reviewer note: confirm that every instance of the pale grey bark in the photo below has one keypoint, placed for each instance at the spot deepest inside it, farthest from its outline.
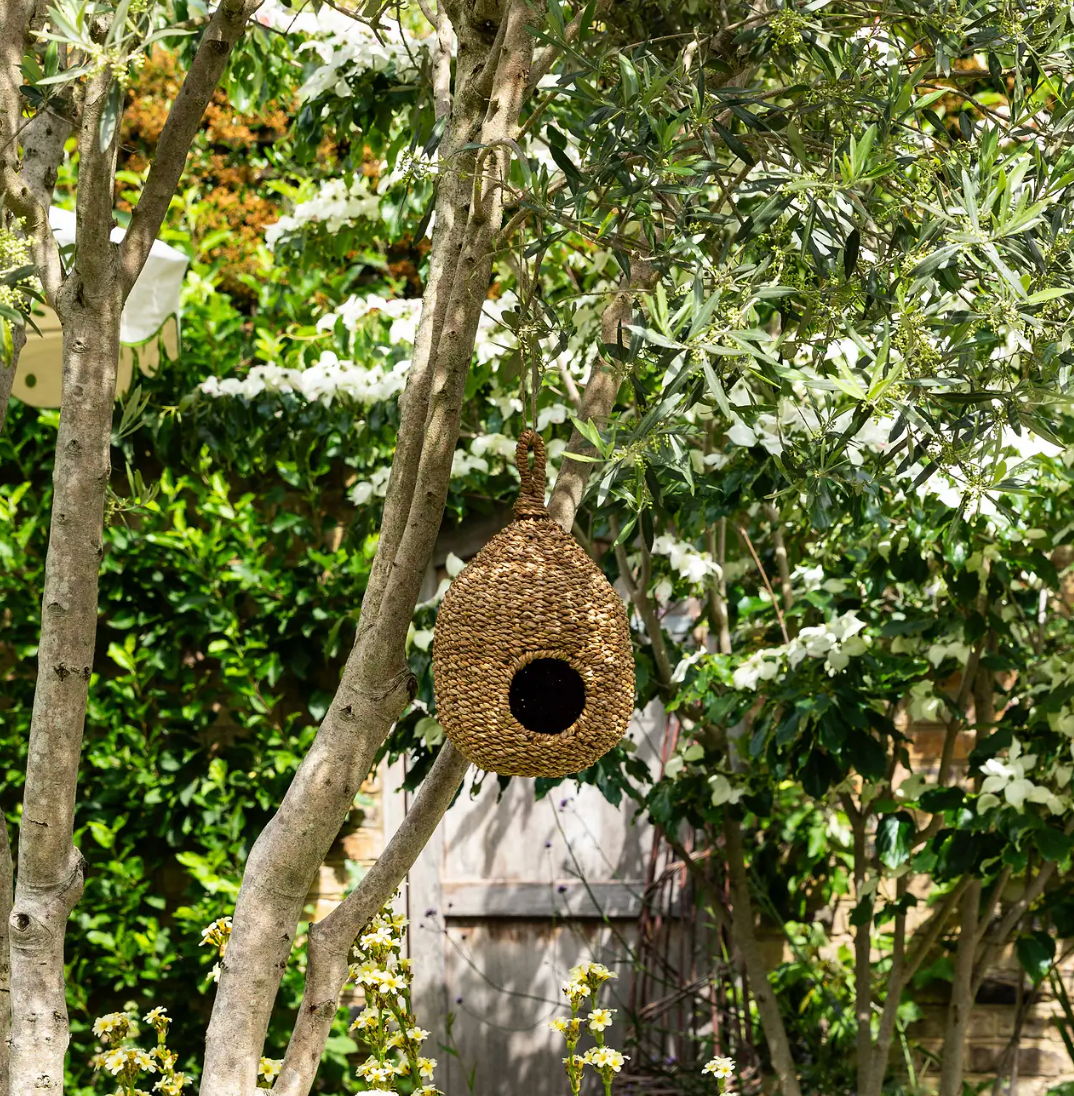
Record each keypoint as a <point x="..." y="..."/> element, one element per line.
<point x="960" y="1008"/>
<point x="904" y="966"/>
<point x="50" y="867"/>
<point x="6" y="884"/>
<point x="330" y="940"/>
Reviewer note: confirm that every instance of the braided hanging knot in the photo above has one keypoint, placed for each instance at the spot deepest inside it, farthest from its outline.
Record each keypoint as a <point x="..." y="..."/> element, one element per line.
<point x="530" y="502"/>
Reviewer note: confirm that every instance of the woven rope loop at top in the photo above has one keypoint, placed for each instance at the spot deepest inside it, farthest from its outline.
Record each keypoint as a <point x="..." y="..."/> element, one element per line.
<point x="530" y="502"/>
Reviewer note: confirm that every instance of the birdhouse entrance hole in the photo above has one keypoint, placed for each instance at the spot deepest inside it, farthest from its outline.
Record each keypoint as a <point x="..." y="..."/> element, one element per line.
<point x="547" y="695"/>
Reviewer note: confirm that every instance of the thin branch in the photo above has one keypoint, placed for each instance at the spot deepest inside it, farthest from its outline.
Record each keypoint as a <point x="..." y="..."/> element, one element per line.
<point x="184" y="121"/>
<point x="330" y="940"/>
<point x="745" y="537"/>
<point x="639" y="594"/>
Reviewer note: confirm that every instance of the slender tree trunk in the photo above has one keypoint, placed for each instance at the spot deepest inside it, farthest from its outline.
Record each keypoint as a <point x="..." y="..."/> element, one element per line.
<point x="50" y="867"/>
<point x="377" y="683"/>
<point x="863" y="967"/>
<point x="960" y="1009"/>
<point x="783" y="567"/>
<point x="330" y="940"/>
<point x="745" y="936"/>
<point x="6" y="883"/>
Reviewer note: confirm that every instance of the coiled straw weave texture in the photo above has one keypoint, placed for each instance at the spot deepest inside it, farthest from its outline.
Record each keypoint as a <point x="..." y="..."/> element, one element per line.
<point x="531" y="593"/>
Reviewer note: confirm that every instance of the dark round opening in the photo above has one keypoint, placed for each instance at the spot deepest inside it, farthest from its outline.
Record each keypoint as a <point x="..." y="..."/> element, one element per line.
<point x="547" y="695"/>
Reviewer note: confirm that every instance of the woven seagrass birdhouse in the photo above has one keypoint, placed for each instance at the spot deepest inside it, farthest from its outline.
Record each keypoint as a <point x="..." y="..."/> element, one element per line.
<point x="532" y="662"/>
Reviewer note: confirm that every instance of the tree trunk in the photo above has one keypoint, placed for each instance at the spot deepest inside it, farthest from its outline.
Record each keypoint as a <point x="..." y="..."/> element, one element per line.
<point x="746" y="940"/>
<point x="50" y="867"/>
<point x="6" y="881"/>
<point x="377" y="683"/>
<point x="960" y="1008"/>
<point x="863" y="967"/>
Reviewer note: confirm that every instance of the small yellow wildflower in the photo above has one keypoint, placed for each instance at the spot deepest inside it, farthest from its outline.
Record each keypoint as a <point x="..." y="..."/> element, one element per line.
<point x="366" y="1019"/>
<point x="558" y="1024"/>
<point x="606" y="1058"/>
<point x="389" y="980"/>
<point x="426" y="1067"/>
<point x="380" y="938"/>
<point x="721" y="1068"/>
<point x="113" y="1026"/>
<point x="600" y="1018"/>
<point x="159" y="1018"/>
<point x="173" y="1085"/>
<point x="269" y="1068"/>
<point x="417" y="1034"/>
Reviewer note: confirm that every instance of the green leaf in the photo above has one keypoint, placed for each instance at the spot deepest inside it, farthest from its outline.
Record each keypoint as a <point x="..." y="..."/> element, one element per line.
<point x="1052" y="844"/>
<point x="110" y="116"/>
<point x="1036" y="953"/>
<point x="936" y="800"/>
<point x="893" y="836"/>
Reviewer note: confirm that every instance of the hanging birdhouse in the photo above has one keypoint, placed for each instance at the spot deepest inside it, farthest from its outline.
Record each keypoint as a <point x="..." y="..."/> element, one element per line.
<point x="533" y="667"/>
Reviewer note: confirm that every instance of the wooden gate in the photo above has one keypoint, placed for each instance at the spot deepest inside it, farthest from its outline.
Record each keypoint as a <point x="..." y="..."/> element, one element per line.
<point x="511" y="893"/>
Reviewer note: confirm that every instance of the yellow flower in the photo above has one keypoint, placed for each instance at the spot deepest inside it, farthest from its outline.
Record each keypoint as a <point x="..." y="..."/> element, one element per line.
<point x="389" y="980"/>
<point x="600" y="1018"/>
<point x="379" y="938"/>
<point x="577" y="1060"/>
<point x="113" y="1026"/>
<point x="604" y="1058"/>
<point x="217" y="933"/>
<point x="426" y="1067"/>
<point x="558" y="1024"/>
<point x="367" y="973"/>
<point x="167" y="1057"/>
<point x="366" y="1019"/>
<point x="417" y="1034"/>
<point x="594" y="973"/>
<point x="269" y="1068"/>
<point x="158" y="1018"/>
<point x="396" y="1039"/>
<point x="115" y="1060"/>
<point x="576" y="990"/>
<point x="173" y="1085"/>
<point x="720" y="1068"/>
<point x="375" y="1072"/>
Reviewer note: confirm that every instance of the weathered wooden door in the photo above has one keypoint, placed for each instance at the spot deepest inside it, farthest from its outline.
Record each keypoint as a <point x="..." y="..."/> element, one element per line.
<point x="505" y="899"/>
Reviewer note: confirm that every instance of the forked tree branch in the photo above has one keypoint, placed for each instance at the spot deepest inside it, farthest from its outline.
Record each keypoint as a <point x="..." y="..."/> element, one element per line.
<point x="184" y="119"/>
<point x="330" y="940"/>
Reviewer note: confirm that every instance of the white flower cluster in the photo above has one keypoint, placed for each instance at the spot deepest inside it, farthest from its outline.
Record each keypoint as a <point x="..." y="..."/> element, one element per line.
<point x="404" y="313"/>
<point x="690" y="564"/>
<point x="336" y="204"/>
<point x="837" y="642"/>
<point x="326" y="379"/>
<point x="1009" y="780"/>
<point x="354" y="50"/>
<point x="496" y="446"/>
<point x="772" y="431"/>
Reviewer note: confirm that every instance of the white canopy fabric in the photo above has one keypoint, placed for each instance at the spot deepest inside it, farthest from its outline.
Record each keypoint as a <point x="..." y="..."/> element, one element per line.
<point x="150" y="317"/>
